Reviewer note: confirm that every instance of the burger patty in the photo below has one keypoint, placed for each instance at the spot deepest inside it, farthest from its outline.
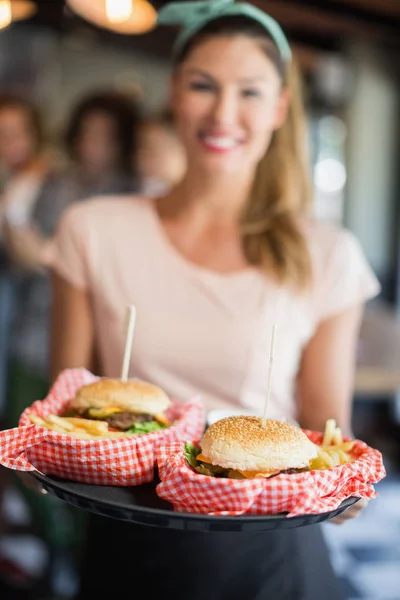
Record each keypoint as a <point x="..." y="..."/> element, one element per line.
<point x="120" y="420"/>
<point x="125" y="420"/>
<point x="293" y="471"/>
<point x="216" y="471"/>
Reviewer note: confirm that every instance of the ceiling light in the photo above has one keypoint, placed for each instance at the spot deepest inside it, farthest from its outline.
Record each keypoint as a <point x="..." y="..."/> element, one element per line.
<point x="122" y="16"/>
<point x="5" y="13"/>
<point x="22" y="9"/>
<point x="119" y="11"/>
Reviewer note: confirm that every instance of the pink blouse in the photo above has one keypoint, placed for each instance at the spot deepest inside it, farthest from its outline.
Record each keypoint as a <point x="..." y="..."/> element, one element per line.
<point x="198" y="331"/>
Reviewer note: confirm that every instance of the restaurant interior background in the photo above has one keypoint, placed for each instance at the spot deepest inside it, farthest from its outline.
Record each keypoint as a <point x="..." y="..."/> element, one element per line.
<point x="349" y="53"/>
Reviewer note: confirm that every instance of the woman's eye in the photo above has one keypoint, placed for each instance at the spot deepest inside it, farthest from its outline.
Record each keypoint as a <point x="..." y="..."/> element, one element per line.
<point x="251" y="93"/>
<point x="200" y="86"/>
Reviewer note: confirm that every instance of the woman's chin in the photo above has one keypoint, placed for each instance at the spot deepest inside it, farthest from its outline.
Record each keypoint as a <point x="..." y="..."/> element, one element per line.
<point x="222" y="165"/>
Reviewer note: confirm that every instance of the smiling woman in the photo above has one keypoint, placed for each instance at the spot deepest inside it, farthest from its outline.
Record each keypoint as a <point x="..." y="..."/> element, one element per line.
<point x="234" y="116"/>
<point x="208" y="264"/>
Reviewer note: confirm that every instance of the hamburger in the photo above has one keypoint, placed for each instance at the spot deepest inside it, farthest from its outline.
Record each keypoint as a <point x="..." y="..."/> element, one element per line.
<point x="246" y="448"/>
<point x="133" y="406"/>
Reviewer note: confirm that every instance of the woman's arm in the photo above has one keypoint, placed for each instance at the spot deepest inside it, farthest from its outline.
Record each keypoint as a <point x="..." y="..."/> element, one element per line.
<point x="72" y="331"/>
<point x="326" y="378"/>
<point x="26" y="247"/>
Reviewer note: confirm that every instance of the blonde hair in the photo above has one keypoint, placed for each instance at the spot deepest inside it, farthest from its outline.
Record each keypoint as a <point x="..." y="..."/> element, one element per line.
<point x="281" y="195"/>
<point x="282" y="192"/>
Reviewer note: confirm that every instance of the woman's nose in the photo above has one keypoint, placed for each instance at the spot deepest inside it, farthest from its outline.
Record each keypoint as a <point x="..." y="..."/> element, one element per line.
<point x="225" y="109"/>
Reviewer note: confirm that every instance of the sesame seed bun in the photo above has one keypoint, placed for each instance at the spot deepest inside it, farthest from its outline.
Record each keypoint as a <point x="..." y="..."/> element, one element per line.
<point x="247" y="444"/>
<point x="132" y="396"/>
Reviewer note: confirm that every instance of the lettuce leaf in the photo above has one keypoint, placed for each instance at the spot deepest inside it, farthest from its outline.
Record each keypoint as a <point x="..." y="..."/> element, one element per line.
<point x="146" y="427"/>
<point x="204" y="469"/>
<point x="191" y="452"/>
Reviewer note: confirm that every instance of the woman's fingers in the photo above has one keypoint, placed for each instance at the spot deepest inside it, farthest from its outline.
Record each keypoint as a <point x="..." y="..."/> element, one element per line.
<point x="351" y="513"/>
<point x="30" y="482"/>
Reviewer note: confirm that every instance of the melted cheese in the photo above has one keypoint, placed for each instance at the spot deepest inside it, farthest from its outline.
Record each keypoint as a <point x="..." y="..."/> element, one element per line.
<point x="100" y="413"/>
<point x="161" y="418"/>
<point x="203" y="459"/>
<point x="258" y="474"/>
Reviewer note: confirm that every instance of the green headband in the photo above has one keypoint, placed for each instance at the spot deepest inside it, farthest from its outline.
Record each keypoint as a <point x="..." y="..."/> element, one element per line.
<point x="192" y="16"/>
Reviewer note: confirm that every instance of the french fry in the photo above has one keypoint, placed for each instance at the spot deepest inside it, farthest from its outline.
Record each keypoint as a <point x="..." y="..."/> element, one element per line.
<point x="337" y="437"/>
<point x="37" y="420"/>
<point x="322" y="461"/>
<point x="344" y="457"/>
<point x="335" y="457"/>
<point x="57" y="428"/>
<point x="83" y="435"/>
<point x="333" y="450"/>
<point x="60" y="421"/>
<point x="85" y="429"/>
<point x="347" y="446"/>
<point x="330" y="428"/>
<point x="88" y="425"/>
<point x="115" y="434"/>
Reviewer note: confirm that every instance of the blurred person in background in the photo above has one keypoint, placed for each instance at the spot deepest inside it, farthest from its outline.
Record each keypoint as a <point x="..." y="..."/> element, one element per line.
<point x="100" y="140"/>
<point x="160" y="159"/>
<point x="29" y="173"/>
<point x="26" y="170"/>
<point x="206" y="266"/>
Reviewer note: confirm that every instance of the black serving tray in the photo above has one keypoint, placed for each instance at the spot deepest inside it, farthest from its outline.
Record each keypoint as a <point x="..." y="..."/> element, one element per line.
<point x="142" y="505"/>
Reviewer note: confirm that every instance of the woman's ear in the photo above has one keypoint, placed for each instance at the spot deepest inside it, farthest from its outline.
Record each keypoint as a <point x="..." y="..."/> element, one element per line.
<point x="282" y="108"/>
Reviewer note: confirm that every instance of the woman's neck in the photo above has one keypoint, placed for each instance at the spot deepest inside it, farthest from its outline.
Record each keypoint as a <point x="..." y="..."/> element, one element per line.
<point x="219" y="198"/>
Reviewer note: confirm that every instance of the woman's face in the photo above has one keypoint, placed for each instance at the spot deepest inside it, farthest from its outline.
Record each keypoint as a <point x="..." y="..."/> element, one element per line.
<point x="227" y="97"/>
<point x="18" y="143"/>
<point x="96" y="147"/>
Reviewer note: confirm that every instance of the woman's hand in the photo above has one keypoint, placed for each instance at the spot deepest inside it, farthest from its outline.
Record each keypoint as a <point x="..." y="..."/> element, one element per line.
<point x="30" y="482"/>
<point x="351" y="513"/>
<point x="26" y="247"/>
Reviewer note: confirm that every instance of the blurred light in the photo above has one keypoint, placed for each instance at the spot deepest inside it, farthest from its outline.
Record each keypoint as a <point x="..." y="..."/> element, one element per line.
<point x="121" y="16"/>
<point x="15" y="10"/>
<point x="118" y="11"/>
<point x="5" y="13"/>
<point x="332" y="130"/>
<point x="22" y="9"/>
<point x="330" y="175"/>
<point x="333" y="78"/>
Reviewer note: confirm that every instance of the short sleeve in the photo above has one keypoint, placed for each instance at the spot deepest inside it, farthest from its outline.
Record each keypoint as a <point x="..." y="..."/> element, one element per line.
<point x="346" y="279"/>
<point x="67" y="253"/>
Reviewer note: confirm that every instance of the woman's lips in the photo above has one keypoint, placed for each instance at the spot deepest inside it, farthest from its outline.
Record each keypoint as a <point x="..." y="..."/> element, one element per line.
<point x="219" y="143"/>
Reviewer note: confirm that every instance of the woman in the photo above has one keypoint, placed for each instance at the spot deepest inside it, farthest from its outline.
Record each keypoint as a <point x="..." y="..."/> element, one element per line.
<point x="206" y="267"/>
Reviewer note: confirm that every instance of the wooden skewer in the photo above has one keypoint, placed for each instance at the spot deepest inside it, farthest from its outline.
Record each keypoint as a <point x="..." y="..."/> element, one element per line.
<point x="131" y="318"/>
<point x="271" y="360"/>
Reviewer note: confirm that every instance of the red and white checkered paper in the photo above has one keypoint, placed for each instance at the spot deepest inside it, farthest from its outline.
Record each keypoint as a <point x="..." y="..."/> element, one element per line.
<point x="120" y="461"/>
<point x="311" y="492"/>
